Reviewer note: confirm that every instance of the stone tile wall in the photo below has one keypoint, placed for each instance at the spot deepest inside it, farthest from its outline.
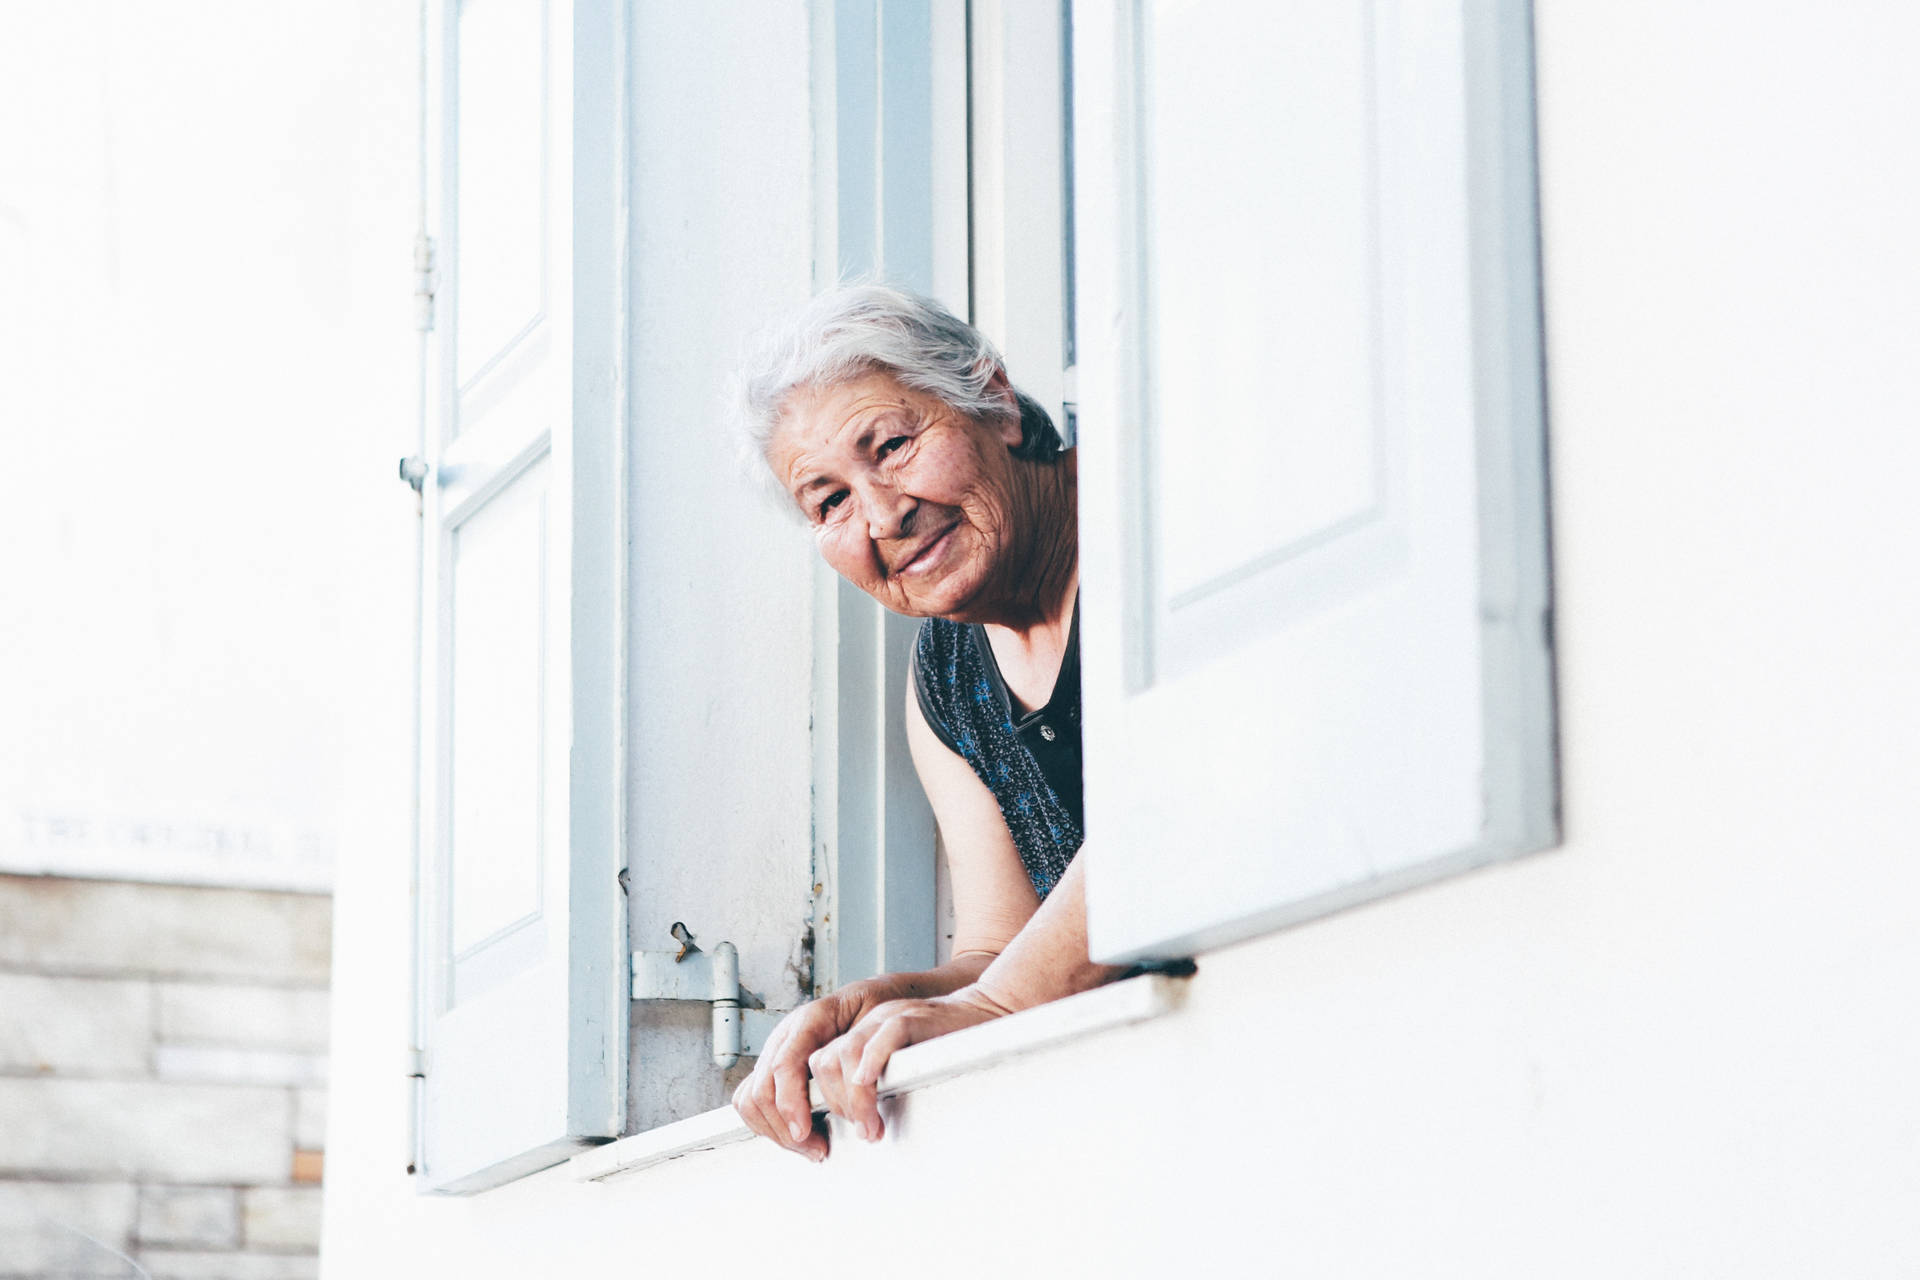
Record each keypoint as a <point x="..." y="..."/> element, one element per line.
<point x="162" y="1080"/>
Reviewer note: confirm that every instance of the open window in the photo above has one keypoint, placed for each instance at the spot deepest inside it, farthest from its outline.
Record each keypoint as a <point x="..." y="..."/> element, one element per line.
<point x="943" y="137"/>
<point x="1273" y="266"/>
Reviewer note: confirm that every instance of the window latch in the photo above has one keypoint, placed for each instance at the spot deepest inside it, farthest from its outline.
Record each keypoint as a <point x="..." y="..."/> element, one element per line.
<point x="414" y="470"/>
<point x="687" y="972"/>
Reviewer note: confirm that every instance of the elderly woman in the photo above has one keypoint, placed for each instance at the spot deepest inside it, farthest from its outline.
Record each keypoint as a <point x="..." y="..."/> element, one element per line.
<point x="944" y="493"/>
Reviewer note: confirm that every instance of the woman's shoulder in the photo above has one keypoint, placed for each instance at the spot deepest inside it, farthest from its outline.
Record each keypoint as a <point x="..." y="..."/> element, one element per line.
<point x="942" y="654"/>
<point x="941" y="639"/>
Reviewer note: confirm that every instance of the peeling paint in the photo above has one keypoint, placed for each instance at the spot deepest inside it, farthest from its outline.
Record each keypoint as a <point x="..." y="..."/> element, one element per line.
<point x="800" y="962"/>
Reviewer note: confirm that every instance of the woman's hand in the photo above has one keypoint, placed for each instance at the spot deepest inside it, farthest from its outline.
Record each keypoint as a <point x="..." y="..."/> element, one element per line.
<point x="773" y="1100"/>
<point x="1045" y="961"/>
<point x="845" y="1039"/>
<point x="849" y="1068"/>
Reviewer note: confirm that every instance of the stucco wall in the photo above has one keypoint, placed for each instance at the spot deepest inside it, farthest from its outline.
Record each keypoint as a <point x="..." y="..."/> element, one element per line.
<point x="1678" y="1045"/>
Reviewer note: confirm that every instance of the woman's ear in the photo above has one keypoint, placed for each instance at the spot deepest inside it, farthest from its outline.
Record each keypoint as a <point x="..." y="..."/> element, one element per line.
<point x="1012" y="430"/>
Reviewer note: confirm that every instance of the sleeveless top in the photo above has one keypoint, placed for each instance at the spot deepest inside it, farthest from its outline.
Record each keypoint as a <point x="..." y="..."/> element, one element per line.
<point x="1030" y="763"/>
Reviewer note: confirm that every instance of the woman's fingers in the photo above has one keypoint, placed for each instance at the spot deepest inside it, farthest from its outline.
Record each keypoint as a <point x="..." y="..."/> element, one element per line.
<point x="795" y="1112"/>
<point x="862" y="1094"/>
<point x="773" y="1100"/>
<point x="797" y="1137"/>
<point x="849" y="1069"/>
<point x="825" y="1064"/>
<point x="892" y="1036"/>
<point x="884" y="1032"/>
<point x="746" y="1101"/>
<point x="908" y="1023"/>
<point x="833" y="1067"/>
<point x="846" y="1062"/>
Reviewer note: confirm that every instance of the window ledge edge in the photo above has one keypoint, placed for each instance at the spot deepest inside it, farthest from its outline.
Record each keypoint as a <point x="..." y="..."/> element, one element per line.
<point x="915" y="1067"/>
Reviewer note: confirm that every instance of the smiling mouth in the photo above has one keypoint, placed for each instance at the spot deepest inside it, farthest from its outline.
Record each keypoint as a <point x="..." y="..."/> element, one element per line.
<point x="926" y="554"/>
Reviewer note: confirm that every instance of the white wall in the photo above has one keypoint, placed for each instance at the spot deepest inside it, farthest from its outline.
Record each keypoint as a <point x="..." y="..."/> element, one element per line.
<point x="188" y="383"/>
<point x="205" y="368"/>
<point x="1679" y="1045"/>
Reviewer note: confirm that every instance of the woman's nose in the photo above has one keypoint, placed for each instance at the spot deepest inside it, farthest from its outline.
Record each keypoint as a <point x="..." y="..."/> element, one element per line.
<point x="890" y="514"/>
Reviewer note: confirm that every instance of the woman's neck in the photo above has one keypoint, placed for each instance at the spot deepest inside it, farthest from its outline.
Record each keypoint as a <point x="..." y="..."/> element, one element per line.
<point x="1039" y="606"/>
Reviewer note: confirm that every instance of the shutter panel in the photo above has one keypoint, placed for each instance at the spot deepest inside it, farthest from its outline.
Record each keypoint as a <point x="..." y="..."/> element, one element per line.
<point x="522" y="986"/>
<point x="1312" y="478"/>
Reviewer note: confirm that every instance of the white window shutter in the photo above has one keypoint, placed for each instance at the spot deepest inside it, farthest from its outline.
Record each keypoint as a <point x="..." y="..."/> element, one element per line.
<point x="521" y="987"/>
<point x="1312" y="476"/>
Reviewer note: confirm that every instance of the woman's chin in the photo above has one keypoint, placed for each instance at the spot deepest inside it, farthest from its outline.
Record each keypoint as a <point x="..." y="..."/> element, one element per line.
<point x="939" y="599"/>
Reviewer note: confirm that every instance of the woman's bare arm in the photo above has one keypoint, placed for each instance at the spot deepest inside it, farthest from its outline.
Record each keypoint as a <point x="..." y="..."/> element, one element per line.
<point x="1038" y="950"/>
<point x="992" y="896"/>
<point x="1043" y="958"/>
<point x="992" y="899"/>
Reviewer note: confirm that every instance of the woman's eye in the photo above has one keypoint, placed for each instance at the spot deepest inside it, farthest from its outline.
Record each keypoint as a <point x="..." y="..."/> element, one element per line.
<point x="831" y="501"/>
<point x="891" y="445"/>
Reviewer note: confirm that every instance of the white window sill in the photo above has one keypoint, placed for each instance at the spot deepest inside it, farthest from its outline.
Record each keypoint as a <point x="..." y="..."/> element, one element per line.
<point x="914" y="1067"/>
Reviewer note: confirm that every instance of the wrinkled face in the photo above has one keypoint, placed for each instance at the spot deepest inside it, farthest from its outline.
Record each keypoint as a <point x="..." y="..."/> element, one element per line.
<point x="909" y="500"/>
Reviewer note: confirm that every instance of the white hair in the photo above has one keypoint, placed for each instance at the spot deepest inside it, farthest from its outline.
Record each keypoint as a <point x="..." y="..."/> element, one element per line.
<point x="855" y="330"/>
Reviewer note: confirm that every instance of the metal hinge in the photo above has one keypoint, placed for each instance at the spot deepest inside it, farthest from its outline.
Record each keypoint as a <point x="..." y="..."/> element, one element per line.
<point x="425" y="280"/>
<point x="710" y="977"/>
<point x="416" y="1071"/>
